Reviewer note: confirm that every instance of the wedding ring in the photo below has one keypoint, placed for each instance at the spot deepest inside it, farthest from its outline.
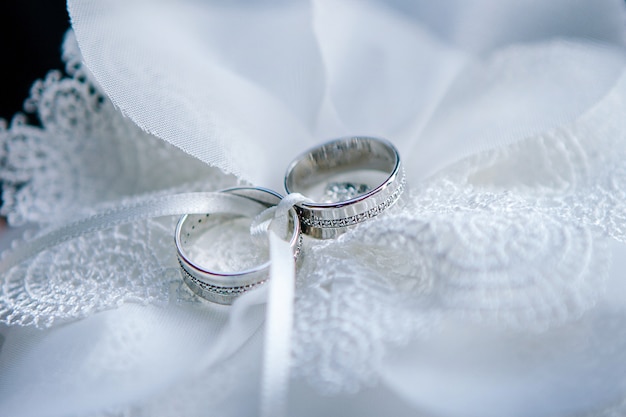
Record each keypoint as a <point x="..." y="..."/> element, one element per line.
<point x="219" y="286"/>
<point x="349" y="181"/>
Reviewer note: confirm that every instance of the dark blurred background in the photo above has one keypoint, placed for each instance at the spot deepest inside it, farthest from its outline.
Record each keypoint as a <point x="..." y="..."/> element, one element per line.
<point x="31" y="33"/>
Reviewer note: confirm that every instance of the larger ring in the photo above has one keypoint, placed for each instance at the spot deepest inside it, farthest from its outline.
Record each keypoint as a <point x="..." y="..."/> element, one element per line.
<point x="218" y="286"/>
<point x="349" y="180"/>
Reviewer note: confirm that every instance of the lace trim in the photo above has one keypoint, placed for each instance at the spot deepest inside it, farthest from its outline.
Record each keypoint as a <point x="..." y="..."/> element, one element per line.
<point x="85" y="153"/>
<point x="515" y="237"/>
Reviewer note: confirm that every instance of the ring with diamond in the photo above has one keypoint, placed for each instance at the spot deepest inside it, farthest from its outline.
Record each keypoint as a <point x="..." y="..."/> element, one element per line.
<point x="195" y="233"/>
<point x="349" y="180"/>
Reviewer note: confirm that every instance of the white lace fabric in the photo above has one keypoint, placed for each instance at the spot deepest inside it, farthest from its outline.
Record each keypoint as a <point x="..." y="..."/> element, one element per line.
<point x="499" y="271"/>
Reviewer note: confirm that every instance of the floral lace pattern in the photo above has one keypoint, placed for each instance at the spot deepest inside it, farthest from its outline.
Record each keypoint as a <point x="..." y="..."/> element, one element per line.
<point x="88" y="155"/>
<point x="128" y="263"/>
<point x="515" y="237"/>
<point x="86" y="151"/>
<point x="393" y="278"/>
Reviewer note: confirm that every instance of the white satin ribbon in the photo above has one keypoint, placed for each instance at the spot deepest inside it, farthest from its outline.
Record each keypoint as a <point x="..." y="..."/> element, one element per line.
<point x="278" y="329"/>
<point x="176" y="204"/>
<point x="279" y="313"/>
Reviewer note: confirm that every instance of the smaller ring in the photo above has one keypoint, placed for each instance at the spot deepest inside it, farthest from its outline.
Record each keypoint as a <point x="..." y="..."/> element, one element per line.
<point x="349" y="180"/>
<point x="225" y="287"/>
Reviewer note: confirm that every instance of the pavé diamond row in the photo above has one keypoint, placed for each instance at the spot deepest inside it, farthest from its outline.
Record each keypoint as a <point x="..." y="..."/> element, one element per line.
<point x="357" y="218"/>
<point x="233" y="291"/>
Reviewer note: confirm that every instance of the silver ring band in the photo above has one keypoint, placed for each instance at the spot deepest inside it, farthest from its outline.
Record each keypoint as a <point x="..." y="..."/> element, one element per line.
<point x="350" y="180"/>
<point x="224" y="287"/>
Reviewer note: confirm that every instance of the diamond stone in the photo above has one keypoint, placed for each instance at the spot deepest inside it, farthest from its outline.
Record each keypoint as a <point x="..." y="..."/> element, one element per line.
<point x="342" y="191"/>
